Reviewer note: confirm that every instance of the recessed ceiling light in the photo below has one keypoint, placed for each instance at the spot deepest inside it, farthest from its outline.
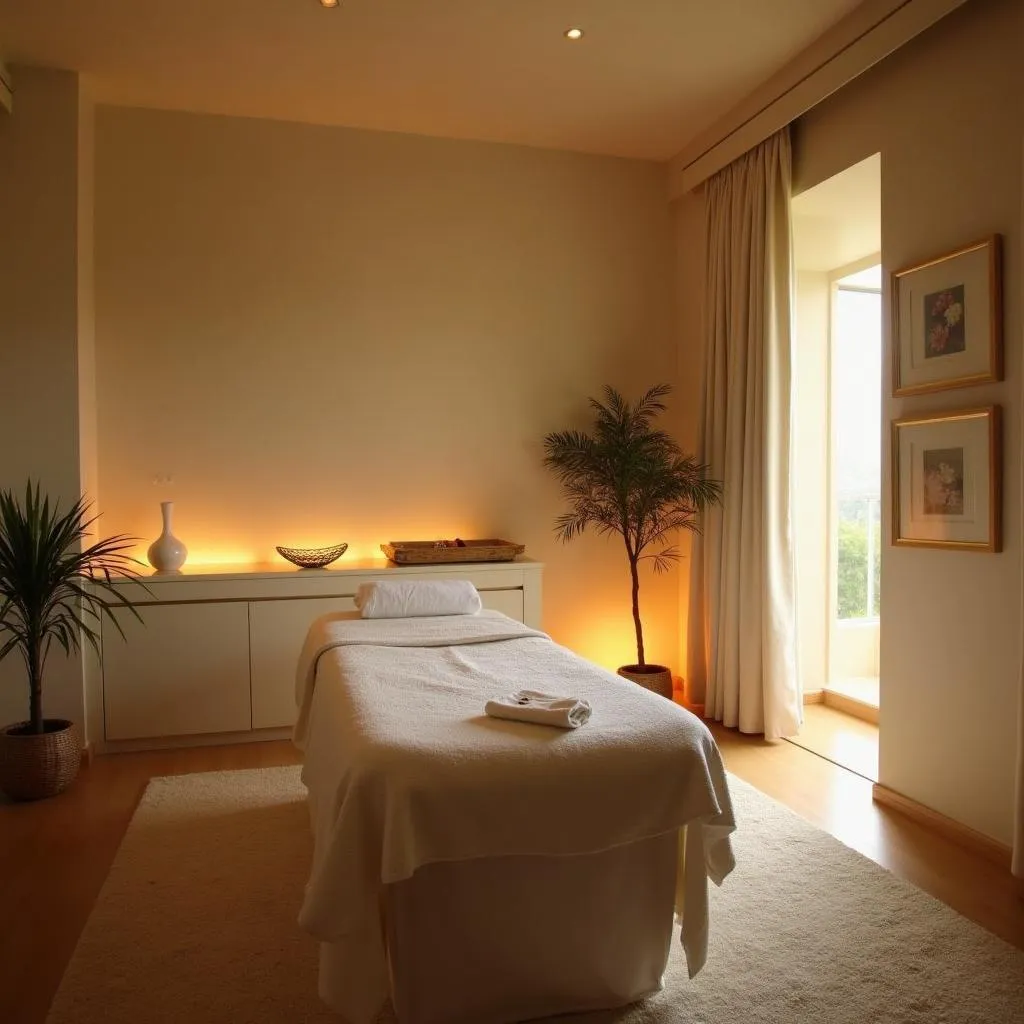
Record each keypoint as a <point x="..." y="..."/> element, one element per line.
<point x="328" y="3"/>
<point x="574" y="33"/>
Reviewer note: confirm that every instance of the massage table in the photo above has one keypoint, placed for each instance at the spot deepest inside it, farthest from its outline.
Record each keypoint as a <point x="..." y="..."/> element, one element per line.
<point x="482" y="871"/>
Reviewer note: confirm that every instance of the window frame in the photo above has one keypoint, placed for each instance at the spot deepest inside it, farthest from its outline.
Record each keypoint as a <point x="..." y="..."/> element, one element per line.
<point x="870" y="621"/>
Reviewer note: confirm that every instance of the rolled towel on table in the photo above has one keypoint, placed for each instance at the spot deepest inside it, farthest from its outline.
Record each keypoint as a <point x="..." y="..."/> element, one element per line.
<point x="402" y="599"/>
<point x="540" y="708"/>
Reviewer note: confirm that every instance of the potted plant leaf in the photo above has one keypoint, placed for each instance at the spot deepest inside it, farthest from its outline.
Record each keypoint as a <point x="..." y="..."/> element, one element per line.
<point x="631" y="479"/>
<point x="53" y="590"/>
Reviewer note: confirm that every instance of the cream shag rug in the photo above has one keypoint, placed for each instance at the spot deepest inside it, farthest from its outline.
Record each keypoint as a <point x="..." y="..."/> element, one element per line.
<point x="196" y="923"/>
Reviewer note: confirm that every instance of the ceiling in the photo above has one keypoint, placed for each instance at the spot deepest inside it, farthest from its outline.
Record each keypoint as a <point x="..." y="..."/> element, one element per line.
<point x="646" y="78"/>
<point x="839" y="221"/>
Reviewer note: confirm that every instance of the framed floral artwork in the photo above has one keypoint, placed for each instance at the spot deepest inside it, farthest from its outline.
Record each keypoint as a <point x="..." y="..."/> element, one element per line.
<point x="947" y="487"/>
<point x="947" y="320"/>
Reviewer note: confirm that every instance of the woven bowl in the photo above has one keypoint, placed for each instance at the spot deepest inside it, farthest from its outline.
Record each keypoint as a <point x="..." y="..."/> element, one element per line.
<point x="313" y="558"/>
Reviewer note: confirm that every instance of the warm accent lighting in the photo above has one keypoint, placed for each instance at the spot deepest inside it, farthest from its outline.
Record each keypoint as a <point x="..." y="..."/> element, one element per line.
<point x="328" y="3"/>
<point x="574" y="33"/>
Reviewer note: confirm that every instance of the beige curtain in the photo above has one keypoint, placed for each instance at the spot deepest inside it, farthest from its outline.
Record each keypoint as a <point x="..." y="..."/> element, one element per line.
<point x="742" y="624"/>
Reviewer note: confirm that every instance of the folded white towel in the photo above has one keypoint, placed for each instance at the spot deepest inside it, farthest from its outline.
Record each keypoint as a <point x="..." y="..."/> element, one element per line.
<point x="541" y="708"/>
<point x="402" y="599"/>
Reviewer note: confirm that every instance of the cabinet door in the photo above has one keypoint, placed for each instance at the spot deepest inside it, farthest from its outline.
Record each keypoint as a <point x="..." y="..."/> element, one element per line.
<point x="184" y="670"/>
<point x="277" y="631"/>
<point x="508" y="602"/>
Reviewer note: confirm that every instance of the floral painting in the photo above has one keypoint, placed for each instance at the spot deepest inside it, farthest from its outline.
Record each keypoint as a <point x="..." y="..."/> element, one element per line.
<point x="945" y="333"/>
<point x="947" y="479"/>
<point x="943" y="474"/>
<point x="947" y="326"/>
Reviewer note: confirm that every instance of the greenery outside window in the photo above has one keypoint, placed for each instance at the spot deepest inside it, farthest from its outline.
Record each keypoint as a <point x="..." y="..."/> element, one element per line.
<point x="856" y="366"/>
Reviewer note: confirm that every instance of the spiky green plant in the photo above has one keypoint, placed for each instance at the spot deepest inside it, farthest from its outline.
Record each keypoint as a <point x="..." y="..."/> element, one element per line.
<point x="631" y="479"/>
<point x="53" y="589"/>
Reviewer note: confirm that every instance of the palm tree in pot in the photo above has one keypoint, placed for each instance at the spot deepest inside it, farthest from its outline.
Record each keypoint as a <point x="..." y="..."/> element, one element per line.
<point x="631" y="479"/>
<point x="53" y="590"/>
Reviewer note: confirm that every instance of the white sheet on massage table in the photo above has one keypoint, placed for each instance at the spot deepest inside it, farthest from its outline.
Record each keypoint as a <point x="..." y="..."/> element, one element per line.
<point x="541" y="947"/>
<point x="404" y="769"/>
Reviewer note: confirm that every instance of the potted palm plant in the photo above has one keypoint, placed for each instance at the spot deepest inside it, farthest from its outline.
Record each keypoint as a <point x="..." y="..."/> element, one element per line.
<point x="631" y="479"/>
<point x="53" y="590"/>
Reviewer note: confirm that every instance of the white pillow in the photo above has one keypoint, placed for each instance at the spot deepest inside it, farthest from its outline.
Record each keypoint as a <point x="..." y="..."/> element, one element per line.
<point x="401" y="599"/>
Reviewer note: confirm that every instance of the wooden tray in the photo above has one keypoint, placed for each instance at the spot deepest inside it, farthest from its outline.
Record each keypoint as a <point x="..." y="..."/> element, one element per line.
<point x="432" y="552"/>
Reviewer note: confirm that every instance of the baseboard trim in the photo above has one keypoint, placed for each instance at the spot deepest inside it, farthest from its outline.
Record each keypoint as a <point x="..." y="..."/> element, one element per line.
<point x="814" y="696"/>
<point x="199" y="740"/>
<point x="851" y="706"/>
<point x="963" y="835"/>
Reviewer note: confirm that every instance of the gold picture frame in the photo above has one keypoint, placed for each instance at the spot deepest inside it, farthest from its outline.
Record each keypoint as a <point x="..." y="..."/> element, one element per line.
<point x="947" y="480"/>
<point x="947" y="329"/>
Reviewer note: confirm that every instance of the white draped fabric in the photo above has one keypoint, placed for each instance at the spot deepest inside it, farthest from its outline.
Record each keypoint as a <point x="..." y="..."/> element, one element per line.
<point x="742" y="624"/>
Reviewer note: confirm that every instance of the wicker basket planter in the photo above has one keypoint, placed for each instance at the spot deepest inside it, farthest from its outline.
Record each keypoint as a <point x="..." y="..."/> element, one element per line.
<point x="651" y="677"/>
<point x="33" y="767"/>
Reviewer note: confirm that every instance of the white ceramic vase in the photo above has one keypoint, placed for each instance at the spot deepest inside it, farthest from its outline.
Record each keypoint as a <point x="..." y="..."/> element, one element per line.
<point x="167" y="553"/>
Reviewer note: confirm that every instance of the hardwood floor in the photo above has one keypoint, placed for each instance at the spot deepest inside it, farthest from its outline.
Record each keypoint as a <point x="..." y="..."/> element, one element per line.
<point x="848" y="741"/>
<point x="55" y="855"/>
<point x="839" y="801"/>
<point x="864" y="689"/>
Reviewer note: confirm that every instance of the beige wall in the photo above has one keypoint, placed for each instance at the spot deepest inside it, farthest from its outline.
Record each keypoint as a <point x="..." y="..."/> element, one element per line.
<point x="87" y="440"/>
<point x="325" y="334"/>
<point x="690" y="281"/>
<point x="946" y="115"/>
<point x="39" y="324"/>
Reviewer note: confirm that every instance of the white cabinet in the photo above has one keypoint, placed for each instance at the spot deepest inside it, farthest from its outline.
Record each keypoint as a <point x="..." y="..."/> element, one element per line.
<point x="277" y="630"/>
<point x="509" y="602"/>
<point x="183" y="671"/>
<point x="217" y="651"/>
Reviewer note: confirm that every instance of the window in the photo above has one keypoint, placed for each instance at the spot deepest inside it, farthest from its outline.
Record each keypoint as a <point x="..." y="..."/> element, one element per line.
<point x="856" y="371"/>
